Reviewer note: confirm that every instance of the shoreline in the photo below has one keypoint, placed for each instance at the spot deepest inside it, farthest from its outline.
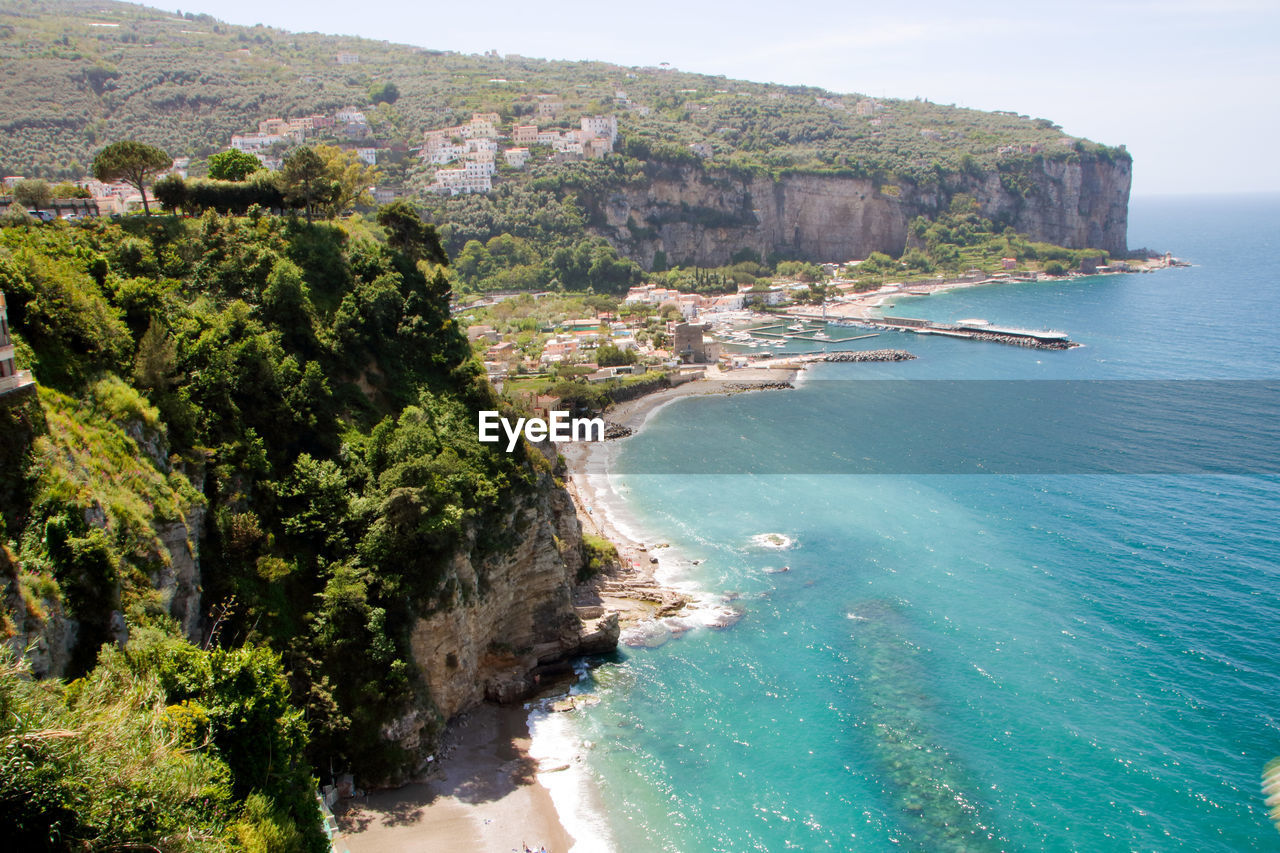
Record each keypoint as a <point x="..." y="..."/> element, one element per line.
<point x="510" y="776"/>
<point x="652" y="608"/>
<point x="637" y="588"/>
<point x="485" y="795"/>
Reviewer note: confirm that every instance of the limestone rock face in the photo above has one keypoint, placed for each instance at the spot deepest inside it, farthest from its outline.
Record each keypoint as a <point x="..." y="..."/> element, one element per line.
<point x="179" y="580"/>
<point x="512" y="614"/>
<point x="698" y="216"/>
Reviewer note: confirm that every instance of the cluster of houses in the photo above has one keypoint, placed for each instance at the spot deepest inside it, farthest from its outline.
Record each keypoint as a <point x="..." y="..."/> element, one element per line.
<point x="104" y="199"/>
<point x="348" y="123"/>
<point x="474" y="145"/>
<point x="690" y="304"/>
<point x="573" y="341"/>
<point x="576" y="341"/>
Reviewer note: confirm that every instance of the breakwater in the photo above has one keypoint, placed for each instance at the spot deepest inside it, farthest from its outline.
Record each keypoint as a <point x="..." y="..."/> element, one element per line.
<point x="870" y="355"/>
<point x="735" y="387"/>
<point x="978" y="330"/>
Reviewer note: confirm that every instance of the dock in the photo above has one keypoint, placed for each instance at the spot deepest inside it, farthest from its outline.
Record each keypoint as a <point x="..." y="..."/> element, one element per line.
<point x="978" y="330"/>
<point x="969" y="329"/>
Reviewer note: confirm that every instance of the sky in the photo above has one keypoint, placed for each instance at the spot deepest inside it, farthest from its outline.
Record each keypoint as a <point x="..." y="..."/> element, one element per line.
<point x="1191" y="87"/>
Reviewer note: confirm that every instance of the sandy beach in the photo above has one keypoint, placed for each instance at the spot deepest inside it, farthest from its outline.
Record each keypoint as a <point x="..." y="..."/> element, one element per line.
<point x="485" y="796"/>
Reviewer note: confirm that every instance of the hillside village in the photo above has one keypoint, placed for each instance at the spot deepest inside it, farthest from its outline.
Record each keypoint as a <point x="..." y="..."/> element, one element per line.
<point x="474" y="145"/>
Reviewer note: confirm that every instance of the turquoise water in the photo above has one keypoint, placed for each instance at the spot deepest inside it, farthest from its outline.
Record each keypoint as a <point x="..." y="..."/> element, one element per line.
<point x="1029" y="662"/>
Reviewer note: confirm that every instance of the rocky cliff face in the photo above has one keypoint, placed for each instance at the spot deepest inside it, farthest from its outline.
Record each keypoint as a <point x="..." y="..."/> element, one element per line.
<point x="511" y="618"/>
<point x="704" y="217"/>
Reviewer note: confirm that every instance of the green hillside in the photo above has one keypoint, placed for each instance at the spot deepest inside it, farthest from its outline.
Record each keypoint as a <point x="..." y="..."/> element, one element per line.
<point x="79" y="74"/>
<point x="294" y="400"/>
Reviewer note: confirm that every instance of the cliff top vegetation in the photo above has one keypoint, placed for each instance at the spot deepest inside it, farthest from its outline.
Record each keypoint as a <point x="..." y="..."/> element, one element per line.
<point x="295" y="401"/>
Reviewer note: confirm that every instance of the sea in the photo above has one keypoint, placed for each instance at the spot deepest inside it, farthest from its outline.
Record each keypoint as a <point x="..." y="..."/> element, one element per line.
<point x="950" y="641"/>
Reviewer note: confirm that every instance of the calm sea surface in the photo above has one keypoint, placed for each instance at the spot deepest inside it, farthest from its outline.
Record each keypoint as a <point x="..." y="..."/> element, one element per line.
<point x="1035" y="661"/>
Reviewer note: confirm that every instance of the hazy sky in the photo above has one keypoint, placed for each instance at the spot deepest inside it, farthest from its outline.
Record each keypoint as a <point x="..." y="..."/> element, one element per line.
<point x="1192" y="87"/>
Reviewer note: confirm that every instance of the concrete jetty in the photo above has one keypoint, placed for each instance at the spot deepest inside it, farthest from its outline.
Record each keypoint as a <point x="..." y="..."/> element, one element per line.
<point x="978" y="330"/>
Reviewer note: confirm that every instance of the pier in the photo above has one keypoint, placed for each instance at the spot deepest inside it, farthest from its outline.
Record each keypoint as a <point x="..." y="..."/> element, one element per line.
<point x="970" y="329"/>
<point x="978" y="330"/>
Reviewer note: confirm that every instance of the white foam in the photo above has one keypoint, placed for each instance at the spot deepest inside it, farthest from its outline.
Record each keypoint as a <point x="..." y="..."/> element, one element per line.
<point x="648" y="634"/>
<point x="554" y="743"/>
<point x="776" y="541"/>
<point x="608" y="493"/>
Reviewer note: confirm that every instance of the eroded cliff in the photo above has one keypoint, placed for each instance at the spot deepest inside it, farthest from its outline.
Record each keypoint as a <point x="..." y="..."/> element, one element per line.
<point x="510" y="620"/>
<point x="697" y="216"/>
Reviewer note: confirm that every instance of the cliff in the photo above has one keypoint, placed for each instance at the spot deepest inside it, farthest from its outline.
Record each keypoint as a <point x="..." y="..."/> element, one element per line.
<point x="510" y="621"/>
<point x="704" y="217"/>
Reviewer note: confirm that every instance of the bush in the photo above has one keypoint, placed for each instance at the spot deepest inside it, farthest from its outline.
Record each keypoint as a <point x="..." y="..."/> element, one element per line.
<point x="597" y="555"/>
<point x="102" y="765"/>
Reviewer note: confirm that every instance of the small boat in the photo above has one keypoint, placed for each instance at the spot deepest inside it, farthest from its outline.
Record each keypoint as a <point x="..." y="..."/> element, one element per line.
<point x="796" y="327"/>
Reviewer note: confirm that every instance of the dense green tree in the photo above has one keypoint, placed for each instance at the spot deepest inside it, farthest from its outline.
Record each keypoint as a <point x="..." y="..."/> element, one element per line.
<point x="66" y="189"/>
<point x="131" y="161"/>
<point x="233" y="165"/>
<point x="16" y="214"/>
<point x="306" y="181"/>
<point x="352" y="179"/>
<point x="105" y="764"/>
<point x="320" y="386"/>
<point x="385" y="92"/>
<point x="608" y="355"/>
<point x="172" y="193"/>
<point x="33" y="193"/>
<point x="407" y="233"/>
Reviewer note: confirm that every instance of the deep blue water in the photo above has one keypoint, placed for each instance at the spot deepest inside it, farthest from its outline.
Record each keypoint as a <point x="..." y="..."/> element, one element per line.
<point x="967" y="662"/>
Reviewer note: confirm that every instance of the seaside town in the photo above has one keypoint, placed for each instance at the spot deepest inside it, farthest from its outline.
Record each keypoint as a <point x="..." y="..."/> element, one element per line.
<point x="782" y="325"/>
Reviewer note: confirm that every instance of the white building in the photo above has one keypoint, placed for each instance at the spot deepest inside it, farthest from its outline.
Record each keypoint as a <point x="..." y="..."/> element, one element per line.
<point x="600" y="127"/>
<point x="348" y="58"/>
<point x="480" y="163"/>
<point x="567" y="145"/>
<point x="481" y="126"/>
<point x="350" y="115"/>
<point x="368" y="155"/>
<point x="270" y="163"/>
<point x="516" y="157"/>
<point x="441" y="155"/>
<point x="252" y="143"/>
<point x="482" y="145"/>
<point x="468" y="179"/>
